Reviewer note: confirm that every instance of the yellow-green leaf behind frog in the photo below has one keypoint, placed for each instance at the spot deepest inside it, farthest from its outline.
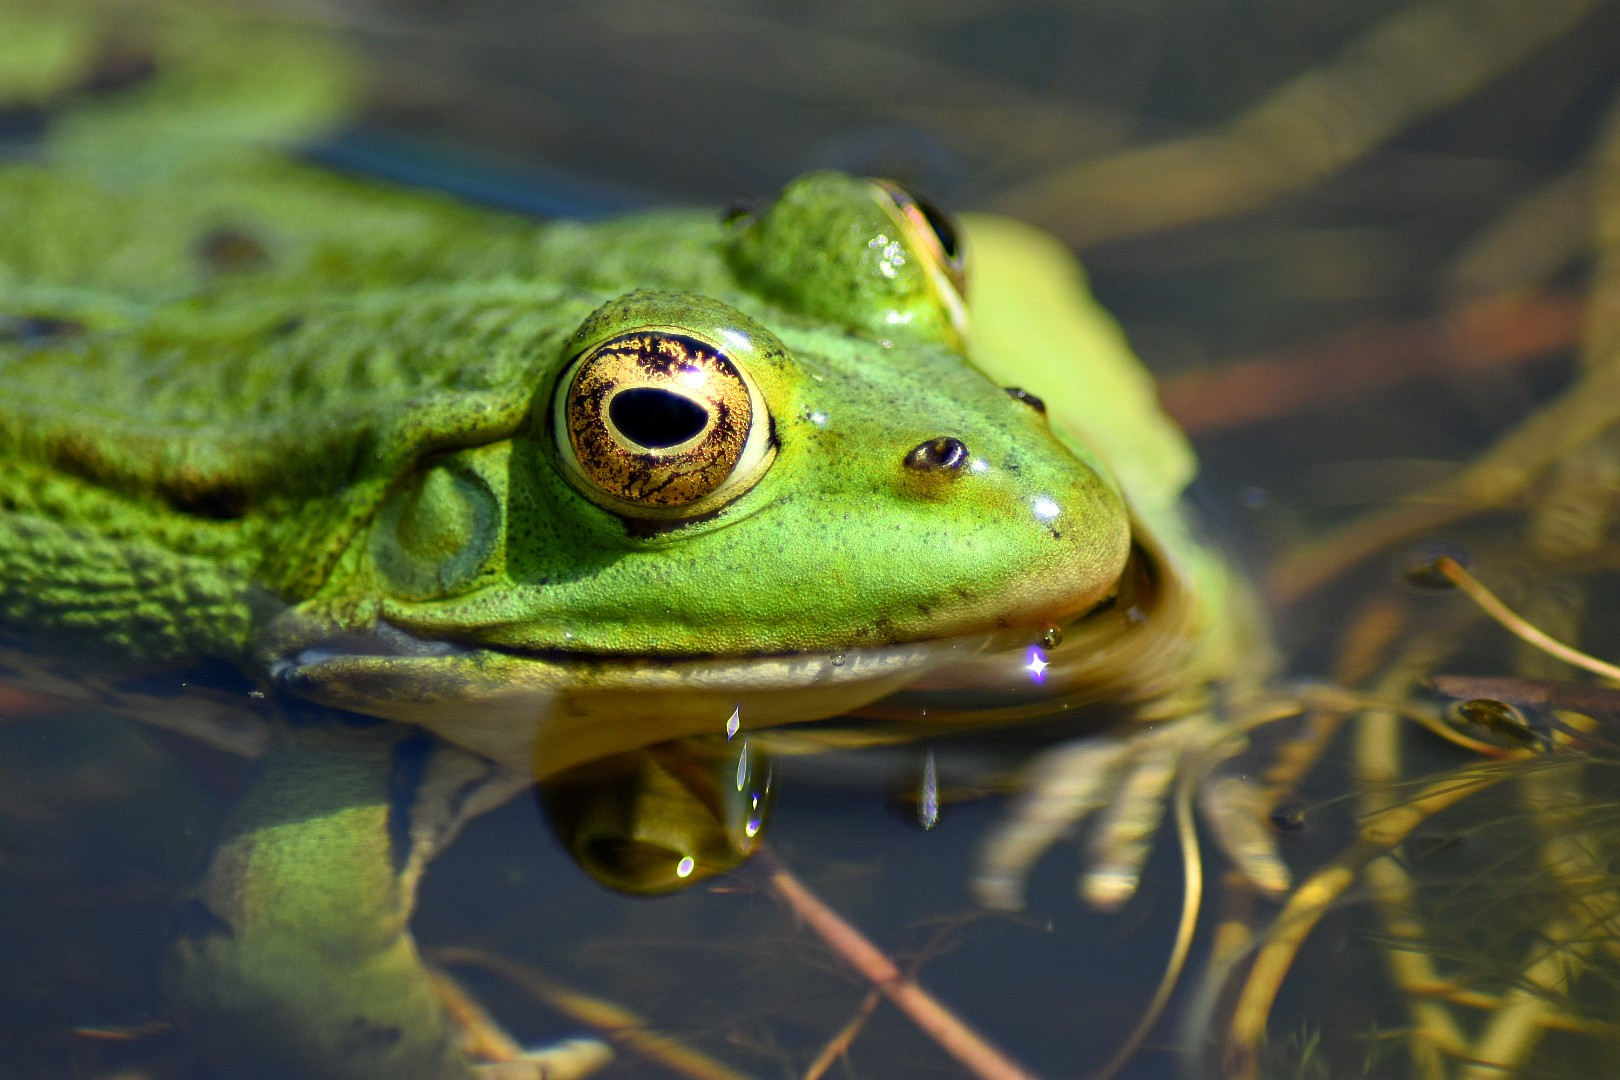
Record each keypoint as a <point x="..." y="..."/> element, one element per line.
<point x="552" y="492"/>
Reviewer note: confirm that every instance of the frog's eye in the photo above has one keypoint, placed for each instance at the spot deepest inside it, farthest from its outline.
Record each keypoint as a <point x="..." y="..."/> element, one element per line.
<point x="867" y="254"/>
<point x="436" y="533"/>
<point x="656" y="422"/>
<point x="932" y="231"/>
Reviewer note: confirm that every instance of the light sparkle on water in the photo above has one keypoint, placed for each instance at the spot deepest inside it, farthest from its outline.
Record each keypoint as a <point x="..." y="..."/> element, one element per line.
<point x="928" y="797"/>
<point x="1037" y="665"/>
<point x="734" y="723"/>
<point x="1046" y="509"/>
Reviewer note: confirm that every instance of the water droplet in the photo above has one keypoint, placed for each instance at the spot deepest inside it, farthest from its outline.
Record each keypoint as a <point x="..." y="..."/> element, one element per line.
<point x="838" y="659"/>
<point x="1051" y="637"/>
<point x="734" y="723"/>
<point x="928" y="796"/>
<point x="742" y="767"/>
<point x="684" y="868"/>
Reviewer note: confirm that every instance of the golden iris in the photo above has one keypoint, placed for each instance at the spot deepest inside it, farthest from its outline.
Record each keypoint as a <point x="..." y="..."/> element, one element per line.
<point x="657" y="418"/>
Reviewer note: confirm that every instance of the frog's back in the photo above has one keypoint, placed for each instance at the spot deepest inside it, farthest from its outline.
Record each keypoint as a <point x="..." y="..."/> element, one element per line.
<point x="214" y="358"/>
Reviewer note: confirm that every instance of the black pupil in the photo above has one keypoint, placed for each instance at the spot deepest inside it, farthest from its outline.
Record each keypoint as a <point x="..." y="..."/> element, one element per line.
<point x="944" y="227"/>
<point x="656" y="418"/>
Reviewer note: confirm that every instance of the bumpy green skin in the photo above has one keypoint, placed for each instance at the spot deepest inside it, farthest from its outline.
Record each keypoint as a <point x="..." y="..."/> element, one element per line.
<point x="228" y="377"/>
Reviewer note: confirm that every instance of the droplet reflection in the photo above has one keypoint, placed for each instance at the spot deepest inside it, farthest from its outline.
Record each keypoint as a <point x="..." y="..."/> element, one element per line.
<point x="928" y="797"/>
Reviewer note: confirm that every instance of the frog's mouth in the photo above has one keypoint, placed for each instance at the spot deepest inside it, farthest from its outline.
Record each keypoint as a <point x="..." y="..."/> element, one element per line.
<point x="547" y="710"/>
<point x="551" y="710"/>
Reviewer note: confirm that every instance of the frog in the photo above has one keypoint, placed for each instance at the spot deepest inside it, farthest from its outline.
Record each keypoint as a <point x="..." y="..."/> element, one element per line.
<point x="460" y="501"/>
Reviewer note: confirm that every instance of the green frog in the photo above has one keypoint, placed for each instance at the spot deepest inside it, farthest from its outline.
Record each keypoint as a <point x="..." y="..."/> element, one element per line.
<point x="471" y="501"/>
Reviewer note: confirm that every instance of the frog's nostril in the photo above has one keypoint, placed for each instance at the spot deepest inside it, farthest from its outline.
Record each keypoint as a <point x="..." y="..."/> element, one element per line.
<point x="1027" y="398"/>
<point x="944" y="454"/>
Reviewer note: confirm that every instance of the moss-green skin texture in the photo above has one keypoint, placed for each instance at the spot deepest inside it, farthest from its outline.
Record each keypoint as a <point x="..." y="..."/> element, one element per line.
<point x="256" y="413"/>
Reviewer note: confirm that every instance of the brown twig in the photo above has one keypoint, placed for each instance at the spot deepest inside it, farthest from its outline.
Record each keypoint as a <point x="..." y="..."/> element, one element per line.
<point x="938" y="1022"/>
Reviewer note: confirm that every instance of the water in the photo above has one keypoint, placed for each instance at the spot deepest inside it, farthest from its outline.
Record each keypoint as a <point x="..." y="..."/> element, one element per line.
<point x="102" y="823"/>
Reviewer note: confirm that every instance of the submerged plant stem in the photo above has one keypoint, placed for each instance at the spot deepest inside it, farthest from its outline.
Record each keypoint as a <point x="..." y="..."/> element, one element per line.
<point x="621" y="1026"/>
<point x="1380" y="833"/>
<point x="1515" y="624"/>
<point x="939" y="1023"/>
<point x="840" y="1043"/>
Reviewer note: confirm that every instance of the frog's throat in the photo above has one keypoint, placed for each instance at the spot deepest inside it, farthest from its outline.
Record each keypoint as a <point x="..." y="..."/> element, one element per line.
<point x="549" y="711"/>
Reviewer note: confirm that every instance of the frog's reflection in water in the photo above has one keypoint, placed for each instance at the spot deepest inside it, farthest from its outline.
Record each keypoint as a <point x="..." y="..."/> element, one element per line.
<point x="662" y="817"/>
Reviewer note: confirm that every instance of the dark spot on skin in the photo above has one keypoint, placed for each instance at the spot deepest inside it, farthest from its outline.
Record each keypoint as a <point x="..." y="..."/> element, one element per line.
<point x="37" y="329"/>
<point x="118" y="67"/>
<point x="1027" y="398"/>
<point x="23" y="124"/>
<point x="195" y="920"/>
<point x="288" y="327"/>
<point x="942" y="455"/>
<point x="221" y="500"/>
<point x="232" y="250"/>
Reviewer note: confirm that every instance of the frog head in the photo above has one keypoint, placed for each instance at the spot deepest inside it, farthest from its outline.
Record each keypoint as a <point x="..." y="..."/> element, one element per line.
<point x="764" y="479"/>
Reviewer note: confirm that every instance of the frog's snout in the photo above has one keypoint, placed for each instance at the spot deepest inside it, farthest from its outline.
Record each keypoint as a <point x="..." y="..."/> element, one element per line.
<point x="945" y="455"/>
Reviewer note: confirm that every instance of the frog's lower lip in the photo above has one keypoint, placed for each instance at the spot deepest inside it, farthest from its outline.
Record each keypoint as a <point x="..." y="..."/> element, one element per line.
<point x="492" y="670"/>
<point x="547" y="712"/>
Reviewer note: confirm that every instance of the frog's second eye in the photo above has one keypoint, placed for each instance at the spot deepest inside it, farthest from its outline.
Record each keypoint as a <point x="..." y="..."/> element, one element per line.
<point x="932" y="229"/>
<point x="658" y="423"/>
